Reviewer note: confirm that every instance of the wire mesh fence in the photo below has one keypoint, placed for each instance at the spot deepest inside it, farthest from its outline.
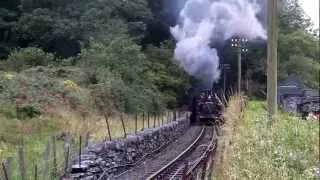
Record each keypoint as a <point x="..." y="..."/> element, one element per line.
<point x="52" y="159"/>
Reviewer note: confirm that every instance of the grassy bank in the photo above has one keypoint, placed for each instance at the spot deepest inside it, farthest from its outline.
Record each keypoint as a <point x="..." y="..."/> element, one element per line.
<point x="250" y="150"/>
<point x="35" y="136"/>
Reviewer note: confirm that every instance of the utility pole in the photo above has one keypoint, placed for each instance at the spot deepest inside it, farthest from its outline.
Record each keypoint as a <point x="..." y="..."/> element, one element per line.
<point x="225" y="68"/>
<point x="272" y="60"/>
<point x="240" y="45"/>
<point x="239" y="70"/>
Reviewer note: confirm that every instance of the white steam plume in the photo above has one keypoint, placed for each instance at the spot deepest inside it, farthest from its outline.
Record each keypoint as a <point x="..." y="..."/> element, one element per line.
<point x="204" y="21"/>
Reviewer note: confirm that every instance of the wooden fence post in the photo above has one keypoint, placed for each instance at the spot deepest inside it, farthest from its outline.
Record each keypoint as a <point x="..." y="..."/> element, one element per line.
<point x="106" y="117"/>
<point x="80" y="150"/>
<point x="174" y="115"/>
<point x="45" y="172"/>
<point x="162" y="117"/>
<point x="136" y="124"/>
<point x="87" y="139"/>
<point x="154" y="120"/>
<point x="148" y="120"/>
<point x="123" y="126"/>
<point x="66" y="155"/>
<point x="36" y="172"/>
<point x="9" y="165"/>
<point x="142" y="120"/>
<point x="54" y="153"/>
<point x="5" y="171"/>
<point x="21" y="163"/>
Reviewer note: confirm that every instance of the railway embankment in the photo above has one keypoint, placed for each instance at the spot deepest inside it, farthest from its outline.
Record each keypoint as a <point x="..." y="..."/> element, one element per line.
<point x="252" y="149"/>
<point x="116" y="155"/>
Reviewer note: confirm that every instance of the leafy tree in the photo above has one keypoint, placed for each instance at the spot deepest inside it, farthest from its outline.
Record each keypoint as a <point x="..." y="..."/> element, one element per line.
<point x="306" y="68"/>
<point x="29" y="57"/>
<point x="298" y="48"/>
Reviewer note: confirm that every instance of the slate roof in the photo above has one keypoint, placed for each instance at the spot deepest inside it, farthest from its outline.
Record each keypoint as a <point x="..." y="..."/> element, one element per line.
<point x="290" y="86"/>
<point x="292" y="80"/>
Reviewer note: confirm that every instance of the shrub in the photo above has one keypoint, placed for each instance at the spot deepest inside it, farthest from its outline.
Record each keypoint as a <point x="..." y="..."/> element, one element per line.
<point x="8" y="76"/>
<point x="29" y="111"/>
<point x="71" y="84"/>
<point x="25" y="58"/>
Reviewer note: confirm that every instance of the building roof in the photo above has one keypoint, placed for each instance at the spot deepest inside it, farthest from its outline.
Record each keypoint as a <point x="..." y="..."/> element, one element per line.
<point x="291" y="81"/>
<point x="290" y="86"/>
<point x="310" y="93"/>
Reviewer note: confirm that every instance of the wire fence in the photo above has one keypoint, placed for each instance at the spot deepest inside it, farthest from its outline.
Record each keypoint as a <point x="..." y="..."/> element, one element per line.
<point x="51" y="160"/>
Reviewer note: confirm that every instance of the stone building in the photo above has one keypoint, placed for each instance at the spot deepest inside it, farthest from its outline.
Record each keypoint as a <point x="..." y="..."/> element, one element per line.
<point x="294" y="98"/>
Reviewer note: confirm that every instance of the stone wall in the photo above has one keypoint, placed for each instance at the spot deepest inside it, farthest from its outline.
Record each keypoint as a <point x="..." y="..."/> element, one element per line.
<point x="110" y="155"/>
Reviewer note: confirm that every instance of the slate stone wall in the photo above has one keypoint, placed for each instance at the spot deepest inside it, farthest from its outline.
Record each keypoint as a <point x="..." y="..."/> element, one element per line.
<point x="111" y="154"/>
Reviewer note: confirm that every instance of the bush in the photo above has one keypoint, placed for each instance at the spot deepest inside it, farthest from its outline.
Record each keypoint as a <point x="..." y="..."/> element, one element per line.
<point x="25" y="58"/>
<point x="29" y="111"/>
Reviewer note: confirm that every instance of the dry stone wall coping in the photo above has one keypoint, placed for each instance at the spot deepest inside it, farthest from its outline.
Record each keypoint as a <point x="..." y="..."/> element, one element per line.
<point x="109" y="155"/>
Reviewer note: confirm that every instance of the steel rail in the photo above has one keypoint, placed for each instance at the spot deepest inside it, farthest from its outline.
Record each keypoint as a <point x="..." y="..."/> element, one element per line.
<point x="212" y="146"/>
<point x="102" y="176"/>
<point x="164" y="168"/>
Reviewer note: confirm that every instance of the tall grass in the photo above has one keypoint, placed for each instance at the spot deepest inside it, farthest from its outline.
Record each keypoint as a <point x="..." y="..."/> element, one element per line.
<point x="250" y="150"/>
<point x="34" y="135"/>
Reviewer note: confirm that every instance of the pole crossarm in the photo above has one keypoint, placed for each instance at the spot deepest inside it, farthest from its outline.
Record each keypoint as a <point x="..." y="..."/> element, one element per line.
<point x="240" y="43"/>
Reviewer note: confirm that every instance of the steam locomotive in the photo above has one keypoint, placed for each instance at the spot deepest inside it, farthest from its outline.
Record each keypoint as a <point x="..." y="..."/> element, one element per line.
<point x="206" y="109"/>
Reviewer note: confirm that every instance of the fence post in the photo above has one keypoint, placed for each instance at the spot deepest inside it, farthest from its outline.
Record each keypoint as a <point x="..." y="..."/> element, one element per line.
<point x="162" y="117"/>
<point x="123" y="126"/>
<point x="66" y="155"/>
<point x="79" y="155"/>
<point x="87" y="139"/>
<point x="46" y="160"/>
<point x="5" y="171"/>
<point x="154" y="120"/>
<point x="174" y="115"/>
<point x="148" y="120"/>
<point x="136" y="124"/>
<point x="21" y="163"/>
<point x="9" y="165"/>
<point x="54" y="151"/>
<point x="142" y="120"/>
<point x="106" y="117"/>
<point x="36" y="172"/>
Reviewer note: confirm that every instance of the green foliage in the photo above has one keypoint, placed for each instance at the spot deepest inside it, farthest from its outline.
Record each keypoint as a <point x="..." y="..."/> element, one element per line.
<point x="29" y="111"/>
<point x="166" y="75"/>
<point x="298" y="48"/>
<point x="105" y="39"/>
<point x="305" y="67"/>
<point x="28" y="57"/>
<point x="289" y="150"/>
<point x="119" y="66"/>
<point x="292" y="17"/>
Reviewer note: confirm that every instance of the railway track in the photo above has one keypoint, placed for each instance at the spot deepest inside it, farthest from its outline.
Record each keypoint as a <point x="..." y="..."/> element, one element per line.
<point x="179" y="160"/>
<point x="193" y="158"/>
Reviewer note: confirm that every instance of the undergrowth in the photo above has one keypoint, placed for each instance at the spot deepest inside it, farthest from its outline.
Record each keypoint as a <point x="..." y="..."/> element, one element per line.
<point x="35" y="135"/>
<point x="251" y="150"/>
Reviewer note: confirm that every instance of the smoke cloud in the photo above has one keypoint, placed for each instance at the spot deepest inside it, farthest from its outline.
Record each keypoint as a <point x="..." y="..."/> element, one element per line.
<point x="203" y="22"/>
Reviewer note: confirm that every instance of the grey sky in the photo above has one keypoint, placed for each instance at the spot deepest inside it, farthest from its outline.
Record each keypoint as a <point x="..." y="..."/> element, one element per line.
<point x="311" y="8"/>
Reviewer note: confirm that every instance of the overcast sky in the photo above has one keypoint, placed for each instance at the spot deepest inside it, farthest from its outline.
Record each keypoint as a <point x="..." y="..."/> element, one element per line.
<point x="311" y="7"/>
